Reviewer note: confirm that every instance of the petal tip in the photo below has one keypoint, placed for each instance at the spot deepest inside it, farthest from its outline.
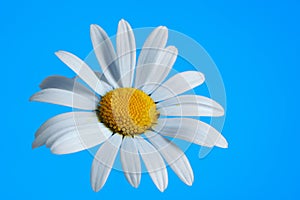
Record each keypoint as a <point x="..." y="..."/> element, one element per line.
<point x="33" y="146"/>
<point x="222" y="142"/>
<point x="174" y="48"/>
<point x="93" y="28"/>
<point x="162" y="189"/>
<point x="134" y="182"/>
<point x="96" y="186"/>
<point x="59" y="52"/>
<point x="163" y="27"/>
<point x="32" y="98"/>
<point x="122" y="21"/>
<point x="162" y="186"/>
<point x="190" y="183"/>
<point x="93" y="25"/>
<point x="202" y="76"/>
<point x="222" y="111"/>
<point x="95" y="189"/>
<point x="189" y="180"/>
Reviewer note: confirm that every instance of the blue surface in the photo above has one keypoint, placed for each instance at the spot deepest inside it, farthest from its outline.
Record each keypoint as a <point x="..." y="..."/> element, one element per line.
<point x="256" y="47"/>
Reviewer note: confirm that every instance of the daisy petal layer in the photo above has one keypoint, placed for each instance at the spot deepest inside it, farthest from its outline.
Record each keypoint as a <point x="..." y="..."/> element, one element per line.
<point x="150" y="52"/>
<point x="65" y="98"/>
<point x="190" y="105"/>
<point x="152" y="75"/>
<point x="83" y="71"/>
<point x="178" y="84"/>
<point x="173" y="156"/>
<point x="156" y="40"/>
<point x="126" y="51"/>
<point x="64" y="83"/>
<point x="105" y="54"/>
<point x="154" y="163"/>
<point x="71" y="132"/>
<point x="104" y="160"/>
<point x="130" y="161"/>
<point x="191" y="130"/>
<point x="103" y="80"/>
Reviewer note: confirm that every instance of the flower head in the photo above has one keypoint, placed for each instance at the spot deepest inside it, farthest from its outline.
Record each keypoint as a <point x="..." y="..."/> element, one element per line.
<point x="127" y="109"/>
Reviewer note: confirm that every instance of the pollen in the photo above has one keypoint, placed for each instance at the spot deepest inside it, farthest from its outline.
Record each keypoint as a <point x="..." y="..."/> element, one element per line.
<point x="127" y="111"/>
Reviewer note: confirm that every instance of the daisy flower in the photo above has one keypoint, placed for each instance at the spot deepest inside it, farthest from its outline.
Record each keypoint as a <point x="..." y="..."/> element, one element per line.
<point x="130" y="108"/>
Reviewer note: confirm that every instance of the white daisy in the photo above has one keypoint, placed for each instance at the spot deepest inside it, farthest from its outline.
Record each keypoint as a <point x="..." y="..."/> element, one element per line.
<point x="130" y="109"/>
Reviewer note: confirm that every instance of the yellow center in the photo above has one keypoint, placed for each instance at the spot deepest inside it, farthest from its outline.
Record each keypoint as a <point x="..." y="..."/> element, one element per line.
<point x="127" y="111"/>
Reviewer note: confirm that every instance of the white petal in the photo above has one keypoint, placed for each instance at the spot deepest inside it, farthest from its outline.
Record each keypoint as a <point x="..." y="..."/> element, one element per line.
<point x="191" y="130"/>
<point x="173" y="156"/>
<point x="104" y="160"/>
<point x="105" y="54"/>
<point x="63" y="119"/>
<point x="157" y="40"/>
<point x="59" y="124"/>
<point x="153" y="162"/>
<point x="150" y="52"/>
<point x="83" y="137"/>
<point x="126" y="51"/>
<point x="71" y="132"/>
<point x="152" y="75"/>
<point x="103" y="81"/>
<point x="130" y="161"/>
<point x="83" y="71"/>
<point x="190" y="105"/>
<point x="65" y="98"/>
<point x="178" y="84"/>
<point x="64" y="83"/>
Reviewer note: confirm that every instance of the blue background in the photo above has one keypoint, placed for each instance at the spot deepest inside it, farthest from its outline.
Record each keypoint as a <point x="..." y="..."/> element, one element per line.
<point x="254" y="43"/>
